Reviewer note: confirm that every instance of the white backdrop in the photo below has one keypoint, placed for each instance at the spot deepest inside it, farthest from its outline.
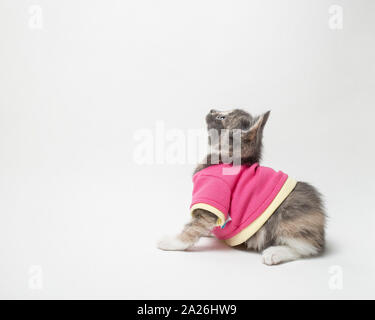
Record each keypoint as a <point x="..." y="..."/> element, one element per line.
<point x="79" y="218"/>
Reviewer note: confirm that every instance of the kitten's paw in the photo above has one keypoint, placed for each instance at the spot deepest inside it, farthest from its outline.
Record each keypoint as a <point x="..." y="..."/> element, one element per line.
<point x="279" y="254"/>
<point x="272" y="255"/>
<point x="172" y="243"/>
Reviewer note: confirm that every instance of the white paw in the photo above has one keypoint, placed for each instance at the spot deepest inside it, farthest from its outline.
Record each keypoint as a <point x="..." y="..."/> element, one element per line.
<point x="172" y="243"/>
<point x="272" y="255"/>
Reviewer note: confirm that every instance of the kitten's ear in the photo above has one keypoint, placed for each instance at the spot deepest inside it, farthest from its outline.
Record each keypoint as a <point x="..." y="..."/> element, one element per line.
<point x="256" y="129"/>
<point x="245" y="123"/>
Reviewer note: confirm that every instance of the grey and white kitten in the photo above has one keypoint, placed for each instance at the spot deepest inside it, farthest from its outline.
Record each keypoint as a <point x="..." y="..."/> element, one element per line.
<point x="295" y="229"/>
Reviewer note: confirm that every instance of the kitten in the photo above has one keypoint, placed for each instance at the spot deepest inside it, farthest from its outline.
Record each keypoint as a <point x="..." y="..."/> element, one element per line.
<point x="293" y="231"/>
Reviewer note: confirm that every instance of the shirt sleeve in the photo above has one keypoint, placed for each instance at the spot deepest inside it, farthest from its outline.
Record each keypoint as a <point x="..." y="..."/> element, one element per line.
<point x="212" y="194"/>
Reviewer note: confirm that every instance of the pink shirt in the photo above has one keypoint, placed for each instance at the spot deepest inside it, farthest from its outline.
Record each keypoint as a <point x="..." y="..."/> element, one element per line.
<point x="243" y="202"/>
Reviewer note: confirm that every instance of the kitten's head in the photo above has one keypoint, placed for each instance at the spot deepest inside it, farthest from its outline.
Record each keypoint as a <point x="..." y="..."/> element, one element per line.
<point x="251" y="132"/>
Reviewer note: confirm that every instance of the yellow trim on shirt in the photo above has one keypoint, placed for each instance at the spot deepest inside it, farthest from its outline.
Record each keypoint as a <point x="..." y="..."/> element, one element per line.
<point x="250" y="230"/>
<point x="221" y="216"/>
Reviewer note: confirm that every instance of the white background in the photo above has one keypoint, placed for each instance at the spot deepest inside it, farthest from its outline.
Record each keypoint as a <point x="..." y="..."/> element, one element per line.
<point x="79" y="218"/>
